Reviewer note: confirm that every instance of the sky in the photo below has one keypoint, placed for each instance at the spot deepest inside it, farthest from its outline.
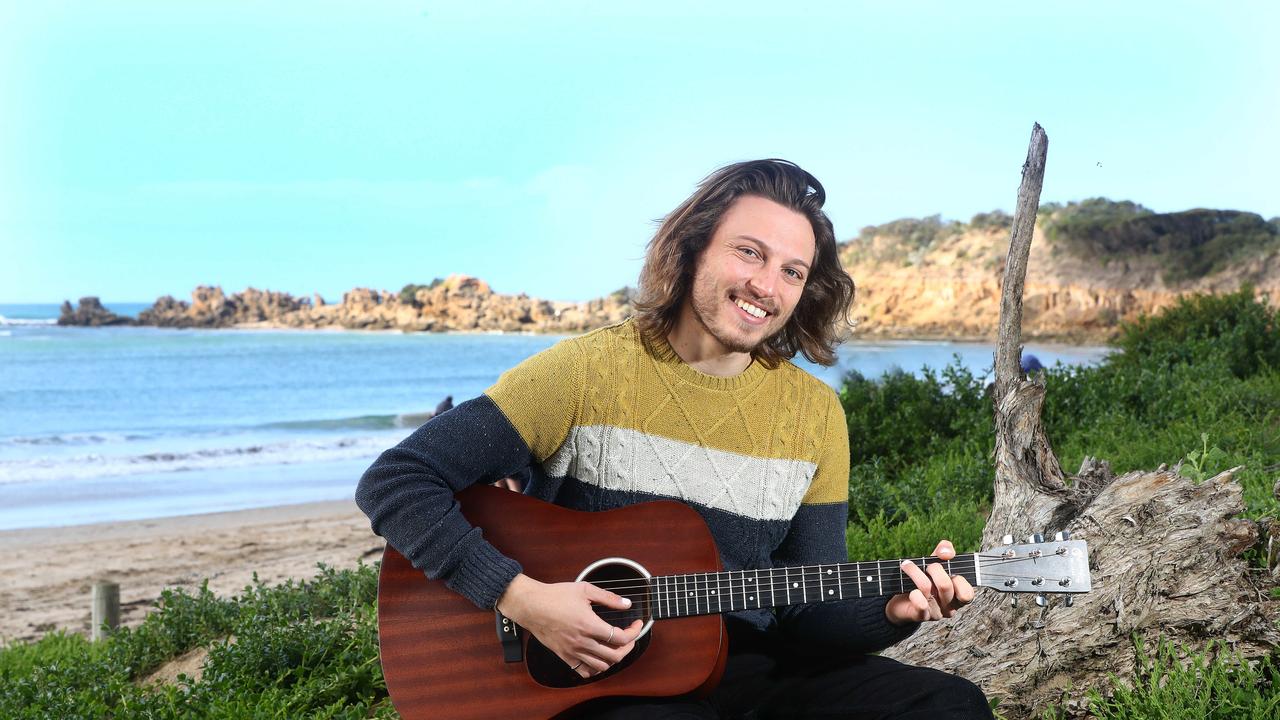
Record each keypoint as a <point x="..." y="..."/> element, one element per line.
<point x="147" y="147"/>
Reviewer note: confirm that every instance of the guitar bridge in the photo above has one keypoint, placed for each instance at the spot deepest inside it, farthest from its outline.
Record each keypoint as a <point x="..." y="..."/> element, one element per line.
<point x="509" y="636"/>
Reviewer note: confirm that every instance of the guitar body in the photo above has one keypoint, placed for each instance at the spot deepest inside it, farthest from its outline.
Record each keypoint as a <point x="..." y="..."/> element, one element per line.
<point x="441" y="654"/>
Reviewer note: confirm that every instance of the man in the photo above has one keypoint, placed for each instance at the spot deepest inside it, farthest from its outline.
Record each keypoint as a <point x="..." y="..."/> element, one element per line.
<point x="693" y="399"/>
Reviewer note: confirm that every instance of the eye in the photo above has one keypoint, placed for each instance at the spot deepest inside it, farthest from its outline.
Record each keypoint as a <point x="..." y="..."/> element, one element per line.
<point x="748" y="251"/>
<point x="793" y="273"/>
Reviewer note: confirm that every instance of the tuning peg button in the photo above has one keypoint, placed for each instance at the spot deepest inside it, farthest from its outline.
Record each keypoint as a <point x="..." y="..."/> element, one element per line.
<point x="1036" y="538"/>
<point x="1006" y="540"/>
<point x="1041" y="600"/>
<point x="1069" y="600"/>
<point x="1057" y="537"/>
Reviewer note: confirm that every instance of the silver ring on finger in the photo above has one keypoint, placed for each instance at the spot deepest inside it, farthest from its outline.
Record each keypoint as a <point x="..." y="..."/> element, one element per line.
<point x="609" y="640"/>
<point x="575" y="667"/>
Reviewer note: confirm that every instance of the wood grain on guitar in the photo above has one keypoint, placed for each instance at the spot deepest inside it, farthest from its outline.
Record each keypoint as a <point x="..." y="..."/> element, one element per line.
<point x="443" y="660"/>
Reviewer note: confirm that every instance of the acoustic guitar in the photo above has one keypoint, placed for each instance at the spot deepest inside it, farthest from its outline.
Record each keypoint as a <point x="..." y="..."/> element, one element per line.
<point x="445" y="659"/>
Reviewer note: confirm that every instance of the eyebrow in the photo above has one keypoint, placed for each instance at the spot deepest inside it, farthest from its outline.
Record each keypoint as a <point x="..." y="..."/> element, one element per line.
<point x="765" y="245"/>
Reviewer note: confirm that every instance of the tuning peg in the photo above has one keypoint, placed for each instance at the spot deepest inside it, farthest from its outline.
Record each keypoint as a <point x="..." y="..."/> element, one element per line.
<point x="1069" y="600"/>
<point x="1066" y="534"/>
<point x="1006" y="540"/>
<point x="1057" y="537"/>
<point x="1041" y="600"/>
<point x="1014" y="601"/>
<point x="1036" y="538"/>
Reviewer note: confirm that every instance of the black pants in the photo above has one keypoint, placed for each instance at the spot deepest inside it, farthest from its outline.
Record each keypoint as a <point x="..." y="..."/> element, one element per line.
<point x="763" y="681"/>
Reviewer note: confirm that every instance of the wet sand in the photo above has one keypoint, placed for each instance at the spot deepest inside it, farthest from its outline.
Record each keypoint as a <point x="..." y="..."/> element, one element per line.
<point x="46" y="574"/>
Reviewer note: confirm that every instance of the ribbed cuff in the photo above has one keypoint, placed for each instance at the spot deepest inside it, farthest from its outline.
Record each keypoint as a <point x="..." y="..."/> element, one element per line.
<point x="483" y="575"/>
<point x="877" y="630"/>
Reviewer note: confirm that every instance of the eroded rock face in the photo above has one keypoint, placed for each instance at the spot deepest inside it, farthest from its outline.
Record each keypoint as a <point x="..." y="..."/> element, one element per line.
<point x="459" y="303"/>
<point x="951" y="288"/>
<point x="90" y="313"/>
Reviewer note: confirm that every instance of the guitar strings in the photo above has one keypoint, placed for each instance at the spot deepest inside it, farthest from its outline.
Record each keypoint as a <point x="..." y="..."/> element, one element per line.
<point x="677" y="600"/>
<point x="677" y="588"/>
<point x="965" y="564"/>
<point x="957" y="565"/>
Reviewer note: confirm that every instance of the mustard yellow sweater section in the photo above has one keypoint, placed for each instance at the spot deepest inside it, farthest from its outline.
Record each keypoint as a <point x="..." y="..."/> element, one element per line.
<point x="614" y="378"/>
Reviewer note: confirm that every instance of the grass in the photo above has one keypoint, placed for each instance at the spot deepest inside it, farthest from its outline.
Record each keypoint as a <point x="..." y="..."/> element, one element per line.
<point x="1200" y="384"/>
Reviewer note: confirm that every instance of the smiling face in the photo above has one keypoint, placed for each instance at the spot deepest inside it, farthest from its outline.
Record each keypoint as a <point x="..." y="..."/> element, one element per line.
<point x="749" y="277"/>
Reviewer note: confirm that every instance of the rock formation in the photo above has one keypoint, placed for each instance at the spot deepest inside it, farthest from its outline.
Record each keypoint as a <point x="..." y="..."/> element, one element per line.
<point x="90" y="313"/>
<point x="458" y="303"/>
<point x="948" y="285"/>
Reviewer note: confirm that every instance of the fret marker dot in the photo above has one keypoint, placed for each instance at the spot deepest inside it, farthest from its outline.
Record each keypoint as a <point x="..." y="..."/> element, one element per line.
<point x="753" y="597"/>
<point x="690" y="594"/>
<point x="828" y="572"/>
<point x="868" y="578"/>
<point x="795" y="585"/>
<point x="831" y="592"/>
<point x="713" y="592"/>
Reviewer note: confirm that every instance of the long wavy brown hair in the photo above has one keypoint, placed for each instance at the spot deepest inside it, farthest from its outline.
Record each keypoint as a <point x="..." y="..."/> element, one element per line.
<point x="672" y="256"/>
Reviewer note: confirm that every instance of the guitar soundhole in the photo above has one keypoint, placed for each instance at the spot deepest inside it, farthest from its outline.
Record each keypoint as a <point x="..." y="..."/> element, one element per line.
<point x="549" y="670"/>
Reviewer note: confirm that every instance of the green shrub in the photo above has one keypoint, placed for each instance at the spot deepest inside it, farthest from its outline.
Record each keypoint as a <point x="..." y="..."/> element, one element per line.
<point x="1215" y="684"/>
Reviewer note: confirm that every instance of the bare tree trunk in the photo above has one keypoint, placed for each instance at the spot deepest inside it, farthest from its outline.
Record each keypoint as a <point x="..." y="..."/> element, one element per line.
<point x="1164" y="551"/>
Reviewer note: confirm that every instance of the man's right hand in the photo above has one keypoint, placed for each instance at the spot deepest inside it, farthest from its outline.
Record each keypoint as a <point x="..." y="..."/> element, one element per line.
<point x="560" y="616"/>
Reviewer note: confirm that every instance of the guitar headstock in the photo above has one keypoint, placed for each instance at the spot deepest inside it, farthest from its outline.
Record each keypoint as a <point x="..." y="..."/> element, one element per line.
<point x="1058" y="566"/>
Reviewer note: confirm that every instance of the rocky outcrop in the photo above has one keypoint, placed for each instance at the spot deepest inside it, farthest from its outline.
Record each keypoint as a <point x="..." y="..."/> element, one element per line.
<point x="458" y="303"/>
<point x="90" y="313"/>
<point x="950" y="286"/>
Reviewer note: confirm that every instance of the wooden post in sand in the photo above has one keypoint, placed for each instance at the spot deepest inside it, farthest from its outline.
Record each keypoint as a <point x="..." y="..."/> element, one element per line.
<point x="106" y="609"/>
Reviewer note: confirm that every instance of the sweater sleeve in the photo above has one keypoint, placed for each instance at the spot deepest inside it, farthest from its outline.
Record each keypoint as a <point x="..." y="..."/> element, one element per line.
<point x="408" y="491"/>
<point x="817" y="536"/>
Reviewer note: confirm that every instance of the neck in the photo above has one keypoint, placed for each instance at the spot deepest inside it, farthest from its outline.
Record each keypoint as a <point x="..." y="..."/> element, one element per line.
<point x="700" y="350"/>
<point x="717" y="592"/>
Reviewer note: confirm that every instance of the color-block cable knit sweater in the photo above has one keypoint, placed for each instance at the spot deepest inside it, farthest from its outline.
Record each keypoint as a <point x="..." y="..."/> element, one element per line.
<point x="609" y="419"/>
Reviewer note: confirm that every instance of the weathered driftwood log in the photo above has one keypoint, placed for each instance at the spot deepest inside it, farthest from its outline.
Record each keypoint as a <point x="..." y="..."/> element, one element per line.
<point x="1164" y="551"/>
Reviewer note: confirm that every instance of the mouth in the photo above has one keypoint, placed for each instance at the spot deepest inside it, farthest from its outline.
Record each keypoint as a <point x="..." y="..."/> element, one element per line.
<point x="753" y="313"/>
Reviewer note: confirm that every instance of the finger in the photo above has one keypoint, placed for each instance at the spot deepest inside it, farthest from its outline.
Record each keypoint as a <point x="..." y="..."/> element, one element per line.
<point x="601" y="596"/>
<point x="917" y="576"/>
<point x="591" y="664"/>
<point x="619" y="636"/>
<point x="919" y="605"/>
<point x="944" y="550"/>
<point x="964" y="591"/>
<point x="943" y="589"/>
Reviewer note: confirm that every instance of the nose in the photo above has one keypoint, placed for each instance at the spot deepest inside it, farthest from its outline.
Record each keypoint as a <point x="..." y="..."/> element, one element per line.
<point x="762" y="281"/>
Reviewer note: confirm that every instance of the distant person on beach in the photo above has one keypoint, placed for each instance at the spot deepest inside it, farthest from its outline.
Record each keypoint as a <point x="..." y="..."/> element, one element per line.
<point x="696" y="399"/>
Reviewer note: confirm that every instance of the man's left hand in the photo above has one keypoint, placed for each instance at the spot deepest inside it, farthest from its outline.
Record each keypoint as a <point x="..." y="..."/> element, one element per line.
<point x="937" y="594"/>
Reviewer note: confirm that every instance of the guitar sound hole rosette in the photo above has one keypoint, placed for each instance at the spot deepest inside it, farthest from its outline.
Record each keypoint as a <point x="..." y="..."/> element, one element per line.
<point x="604" y="562"/>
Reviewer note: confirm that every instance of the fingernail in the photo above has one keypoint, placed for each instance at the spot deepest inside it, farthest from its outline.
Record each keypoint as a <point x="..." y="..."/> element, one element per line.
<point x="626" y="602"/>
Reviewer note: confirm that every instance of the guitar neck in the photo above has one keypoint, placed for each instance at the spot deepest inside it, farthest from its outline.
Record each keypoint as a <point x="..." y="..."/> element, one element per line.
<point x="719" y="592"/>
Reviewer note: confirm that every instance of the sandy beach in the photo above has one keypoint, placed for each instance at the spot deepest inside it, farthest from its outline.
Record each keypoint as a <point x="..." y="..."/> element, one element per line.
<point x="46" y="573"/>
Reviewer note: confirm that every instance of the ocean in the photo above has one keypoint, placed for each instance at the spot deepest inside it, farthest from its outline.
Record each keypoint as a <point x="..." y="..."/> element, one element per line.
<point x="100" y="424"/>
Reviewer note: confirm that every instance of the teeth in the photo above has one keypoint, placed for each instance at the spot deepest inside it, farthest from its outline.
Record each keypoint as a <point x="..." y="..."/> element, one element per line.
<point x="751" y="309"/>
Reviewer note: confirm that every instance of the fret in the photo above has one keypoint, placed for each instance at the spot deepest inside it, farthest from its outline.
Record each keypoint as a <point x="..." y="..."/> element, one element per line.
<point x="755" y="589"/>
<point x="684" y="595"/>
<point x="804" y="585"/>
<point x="773" y="595"/>
<point x="880" y="577"/>
<point x="840" y="579"/>
<point x="821" y="595"/>
<point x="719" y="592"/>
<point x="660" y="606"/>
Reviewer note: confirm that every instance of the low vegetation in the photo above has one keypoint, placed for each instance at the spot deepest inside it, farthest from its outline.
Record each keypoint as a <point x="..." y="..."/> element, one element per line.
<point x="1198" y="384"/>
<point x="1188" y="245"/>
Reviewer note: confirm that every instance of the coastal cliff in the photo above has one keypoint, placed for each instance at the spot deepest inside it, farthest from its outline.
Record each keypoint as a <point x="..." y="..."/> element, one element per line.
<point x="1093" y="265"/>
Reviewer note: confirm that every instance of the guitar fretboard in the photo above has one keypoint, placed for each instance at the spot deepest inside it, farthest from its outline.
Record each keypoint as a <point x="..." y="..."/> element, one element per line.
<point x="718" y="592"/>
